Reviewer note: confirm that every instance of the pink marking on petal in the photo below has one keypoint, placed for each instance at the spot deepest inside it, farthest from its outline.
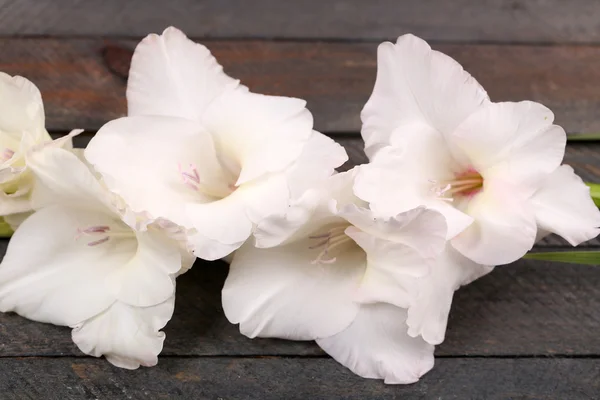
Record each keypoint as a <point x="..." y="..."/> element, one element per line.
<point x="99" y="241"/>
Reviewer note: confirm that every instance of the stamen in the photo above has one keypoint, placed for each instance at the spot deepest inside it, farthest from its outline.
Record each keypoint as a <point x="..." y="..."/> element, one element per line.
<point x="191" y="178"/>
<point x="99" y="241"/>
<point x="332" y="239"/>
<point x="465" y="184"/>
<point x="103" y="230"/>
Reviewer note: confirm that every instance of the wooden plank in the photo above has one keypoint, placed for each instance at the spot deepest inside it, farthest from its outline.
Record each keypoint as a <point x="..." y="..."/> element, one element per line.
<point x="295" y="378"/>
<point x="528" y="308"/>
<point x="83" y="80"/>
<point x="459" y="20"/>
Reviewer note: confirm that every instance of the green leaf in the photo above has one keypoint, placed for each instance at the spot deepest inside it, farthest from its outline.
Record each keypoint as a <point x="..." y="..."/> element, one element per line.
<point x="595" y="192"/>
<point x="571" y="257"/>
<point x="583" y="137"/>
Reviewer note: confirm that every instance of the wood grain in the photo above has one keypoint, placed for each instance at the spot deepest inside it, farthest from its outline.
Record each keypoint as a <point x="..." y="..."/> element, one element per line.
<point x="528" y="308"/>
<point x="83" y="80"/>
<point x="291" y="379"/>
<point x="459" y="20"/>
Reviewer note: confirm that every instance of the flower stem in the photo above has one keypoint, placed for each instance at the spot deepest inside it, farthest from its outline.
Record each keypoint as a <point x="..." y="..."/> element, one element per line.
<point x="571" y="257"/>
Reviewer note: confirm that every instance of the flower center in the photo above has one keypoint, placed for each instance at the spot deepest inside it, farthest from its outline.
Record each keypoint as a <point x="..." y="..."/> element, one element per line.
<point x="101" y="234"/>
<point x="329" y="241"/>
<point x="191" y="178"/>
<point x="465" y="184"/>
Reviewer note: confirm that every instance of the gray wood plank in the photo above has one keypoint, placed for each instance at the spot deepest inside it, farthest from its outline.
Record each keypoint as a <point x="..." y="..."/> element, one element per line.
<point x="459" y="20"/>
<point x="526" y="309"/>
<point x="83" y="80"/>
<point x="295" y="378"/>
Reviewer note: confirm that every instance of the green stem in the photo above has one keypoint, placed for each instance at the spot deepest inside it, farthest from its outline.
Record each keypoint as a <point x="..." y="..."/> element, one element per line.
<point x="571" y="257"/>
<point x="594" y="192"/>
<point x="583" y="137"/>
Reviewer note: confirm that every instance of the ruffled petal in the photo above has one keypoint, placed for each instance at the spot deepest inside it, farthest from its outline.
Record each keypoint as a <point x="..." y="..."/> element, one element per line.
<point x="563" y="206"/>
<point x="417" y="85"/>
<point x="146" y="279"/>
<point x="127" y="336"/>
<point x="377" y="346"/>
<point x="62" y="178"/>
<point x="172" y="76"/>
<point x="264" y="134"/>
<point x="428" y="311"/>
<point x="421" y="229"/>
<point x="280" y="292"/>
<point x="49" y="276"/>
<point x="504" y="228"/>
<point x="403" y="178"/>
<point x="142" y="160"/>
<point x="513" y="141"/>
<point x="21" y="105"/>
<point x="319" y="158"/>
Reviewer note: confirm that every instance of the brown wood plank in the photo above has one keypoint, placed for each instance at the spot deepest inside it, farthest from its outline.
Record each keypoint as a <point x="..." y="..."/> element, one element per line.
<point x="83" y="82"/>
<point x="458" y="20"/>
<point x="527" y="309"/>
<point x="295" y="378"/>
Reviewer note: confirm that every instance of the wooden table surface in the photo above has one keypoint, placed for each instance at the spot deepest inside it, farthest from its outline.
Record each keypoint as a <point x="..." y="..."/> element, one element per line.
<point x="529" y="330"/>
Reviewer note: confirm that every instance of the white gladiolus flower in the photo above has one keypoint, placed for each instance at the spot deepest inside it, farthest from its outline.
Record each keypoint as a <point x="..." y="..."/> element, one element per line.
<point x="82" y="260"/>
<point x="21" y="127"/>
<point x="200" y="150"/>
<point x="493" y="169"/>
<point x="362" y="286"/>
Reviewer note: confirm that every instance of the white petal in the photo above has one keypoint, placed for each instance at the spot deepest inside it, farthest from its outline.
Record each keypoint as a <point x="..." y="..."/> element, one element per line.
<point x="62" y="178"/>
<point x="417" y="85"/>
<point x="402" y="178"/>
<point x="428" y="312"/>
<point x="279" y="292"/>
<point x="278" y="228"/>
<point x="377" y="346"/>
<point x="514" y="141"/>
<point x="263" y="133"/>
<point x="172" y="76"/>
<point x="21" y="105"/>
<point x="15" y="220"/>
<point x="127" y="336"/>
<point x="48" y="276"/>
<point x="391" y="272"/>
<point x="320" y="204"/>
<point x="141" y="158"/>
<point x="504" y="228"/>
<point x="146" y="279"/>
<point x="223" y="226"/>
<point x="421" y="229"/>
<point x="563" y="206"/>
<point x="14" y="203"/>
<point x="319" y="158"/>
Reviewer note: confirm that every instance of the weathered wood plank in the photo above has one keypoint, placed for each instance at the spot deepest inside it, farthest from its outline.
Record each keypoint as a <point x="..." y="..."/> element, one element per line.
<point x="295" y="378"/>
<point x="459" y="20"/>
<point x="83" y="82"/>
<point x="528" y="308"/>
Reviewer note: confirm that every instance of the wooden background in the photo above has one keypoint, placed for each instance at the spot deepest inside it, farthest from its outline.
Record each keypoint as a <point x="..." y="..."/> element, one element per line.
<point x="530" y="330"/>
